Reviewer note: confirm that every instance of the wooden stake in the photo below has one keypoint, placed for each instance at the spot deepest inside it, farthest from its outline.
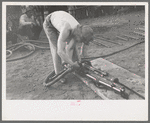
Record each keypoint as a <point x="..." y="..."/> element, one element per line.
<point x="139" y="33"/>
<point x="122" y="38"/>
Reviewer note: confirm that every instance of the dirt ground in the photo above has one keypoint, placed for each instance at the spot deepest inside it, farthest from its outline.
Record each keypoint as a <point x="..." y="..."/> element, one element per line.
<point x="25" y="77"/>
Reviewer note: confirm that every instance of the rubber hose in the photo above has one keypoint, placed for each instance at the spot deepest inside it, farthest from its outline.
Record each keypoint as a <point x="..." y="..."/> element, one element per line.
<point x="104" y="56"/>
<point x="14" y="45"/>
<point x="15" y="48"/>
<point x="36" y="41"/>
<point x="23" y="44"/>
<point x="8" y="60"/>
<point x="46" y="48"/>
<point x="10" y="53"/>
<point x="30" y="41"/>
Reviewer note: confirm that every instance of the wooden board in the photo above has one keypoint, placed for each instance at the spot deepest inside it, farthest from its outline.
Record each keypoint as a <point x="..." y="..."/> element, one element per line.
<point x="127" y="78"/>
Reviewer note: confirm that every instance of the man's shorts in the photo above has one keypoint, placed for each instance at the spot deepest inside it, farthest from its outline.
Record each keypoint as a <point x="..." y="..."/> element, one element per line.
<point x="51" y="31"/>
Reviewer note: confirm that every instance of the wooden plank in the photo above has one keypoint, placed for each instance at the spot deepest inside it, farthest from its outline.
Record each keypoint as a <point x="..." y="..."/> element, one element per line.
<point x="101" y="38"/>
<point x="129" y="79"/>
<point x="141" y="29"/>
<point x="122" y="38"/>
<point x="130" y="36"/>
<point x="98" y="43"/>
<point x="139" y="33"/>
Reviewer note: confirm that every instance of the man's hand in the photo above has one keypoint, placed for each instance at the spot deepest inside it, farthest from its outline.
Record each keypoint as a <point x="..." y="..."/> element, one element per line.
<point x="75" y="65"/>
<point x="32" y="24"/>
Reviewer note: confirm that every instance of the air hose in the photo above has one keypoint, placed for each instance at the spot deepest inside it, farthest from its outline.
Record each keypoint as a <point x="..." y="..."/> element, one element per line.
<point x="22" y="44"/>
<point x="10" y="53"/>
<point x="28" y="44"/>
<point x="104" y="56"/>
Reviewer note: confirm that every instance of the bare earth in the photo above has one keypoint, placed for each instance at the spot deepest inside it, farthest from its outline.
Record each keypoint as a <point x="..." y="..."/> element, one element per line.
<point x="25" y="77"/>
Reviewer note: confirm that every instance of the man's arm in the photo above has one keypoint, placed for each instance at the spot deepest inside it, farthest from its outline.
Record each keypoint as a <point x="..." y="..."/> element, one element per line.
<point x="61" y="44"/>
<point x="72" y="51"/>
<point x="82" y="51"/>
<point x="23" y="22"/>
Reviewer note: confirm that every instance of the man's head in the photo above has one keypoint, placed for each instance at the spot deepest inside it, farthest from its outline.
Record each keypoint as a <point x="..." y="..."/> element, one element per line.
<point x="28" y="10"/>
<point x="83" y="34"/>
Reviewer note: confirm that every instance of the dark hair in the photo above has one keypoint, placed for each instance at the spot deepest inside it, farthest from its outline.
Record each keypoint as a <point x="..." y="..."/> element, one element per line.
<point x="87" y="34"/>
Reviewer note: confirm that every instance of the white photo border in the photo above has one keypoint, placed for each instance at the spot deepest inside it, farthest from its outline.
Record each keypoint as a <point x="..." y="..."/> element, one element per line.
<point x="91" y="110"/>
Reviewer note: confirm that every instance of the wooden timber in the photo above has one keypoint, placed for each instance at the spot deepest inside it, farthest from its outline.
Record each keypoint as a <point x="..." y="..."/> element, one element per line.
<point x="131" y="36"/>
<point x="122" y="38"/>
<point x="127" y="78"/>
<point x="139" y="33"/>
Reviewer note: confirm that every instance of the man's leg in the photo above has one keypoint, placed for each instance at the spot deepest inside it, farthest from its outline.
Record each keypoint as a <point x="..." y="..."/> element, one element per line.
<point x="36" y="30"/>
<point x="26" y="31"/>
<point x="52" y="37"/>
<point x="56" y="59"/>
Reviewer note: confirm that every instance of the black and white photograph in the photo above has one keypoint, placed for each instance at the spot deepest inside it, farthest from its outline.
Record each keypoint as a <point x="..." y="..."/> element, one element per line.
<point x="75" y="55"/>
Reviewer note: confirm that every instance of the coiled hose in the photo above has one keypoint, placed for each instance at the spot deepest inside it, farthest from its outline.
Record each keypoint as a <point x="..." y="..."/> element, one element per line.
<point x="12" y="48"/>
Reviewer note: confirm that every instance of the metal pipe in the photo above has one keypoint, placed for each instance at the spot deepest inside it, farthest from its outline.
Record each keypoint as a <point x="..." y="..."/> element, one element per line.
<point x="103" y="83"/>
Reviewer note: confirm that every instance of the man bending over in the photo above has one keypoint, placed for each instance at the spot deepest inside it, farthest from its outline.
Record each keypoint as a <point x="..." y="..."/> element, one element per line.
<point x="63" y="32"/>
